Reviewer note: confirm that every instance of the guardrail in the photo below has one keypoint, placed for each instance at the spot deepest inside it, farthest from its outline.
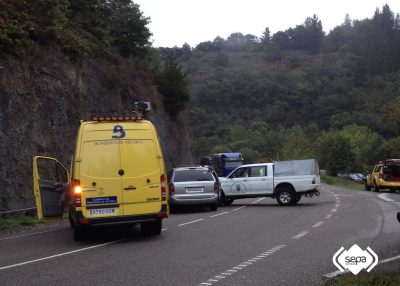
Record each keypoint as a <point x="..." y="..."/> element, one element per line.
<point x="17" y="211"/>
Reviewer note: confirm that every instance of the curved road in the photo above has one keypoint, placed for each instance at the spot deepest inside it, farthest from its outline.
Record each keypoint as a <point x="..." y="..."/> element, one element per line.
<point x="252" y="242"/>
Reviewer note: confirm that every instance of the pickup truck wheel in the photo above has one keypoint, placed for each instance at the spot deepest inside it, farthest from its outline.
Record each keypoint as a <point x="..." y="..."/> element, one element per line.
<point x="285" y="196"/>
<point x="366" y="186"/>
<point x="376" y="188"/>
<point x="225" y="201"/>
<point x="297" y="198"/>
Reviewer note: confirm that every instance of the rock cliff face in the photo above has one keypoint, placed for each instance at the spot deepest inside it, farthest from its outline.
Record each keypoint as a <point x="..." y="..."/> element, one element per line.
<point x="45" y="94"/>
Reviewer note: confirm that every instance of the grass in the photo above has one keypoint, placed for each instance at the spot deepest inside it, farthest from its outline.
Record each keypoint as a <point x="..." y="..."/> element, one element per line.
<point x="341" y="182"/>
<point x="363" y="279"/>
<point x="17" y="222"/>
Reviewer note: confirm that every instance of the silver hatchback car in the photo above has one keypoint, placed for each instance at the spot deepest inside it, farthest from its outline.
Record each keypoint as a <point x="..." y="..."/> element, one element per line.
<point x="193" y="186"/>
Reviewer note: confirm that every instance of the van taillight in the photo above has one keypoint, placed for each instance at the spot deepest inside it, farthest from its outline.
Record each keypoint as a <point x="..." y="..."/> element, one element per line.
<point x="76" y="189"/>
<point x="380" y="175"/>
<point x="163" y="188"/>
<point x="171" y="187"/>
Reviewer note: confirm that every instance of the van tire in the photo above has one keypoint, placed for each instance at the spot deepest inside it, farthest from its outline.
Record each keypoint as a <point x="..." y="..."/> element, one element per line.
<point x="80" y="234"/>
<point x="285" y="196"/>
<point x="151" y="227"/>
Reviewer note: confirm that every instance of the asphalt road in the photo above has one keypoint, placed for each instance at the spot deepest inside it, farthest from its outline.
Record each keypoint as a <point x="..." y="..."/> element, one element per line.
<point x="252" y="242"/>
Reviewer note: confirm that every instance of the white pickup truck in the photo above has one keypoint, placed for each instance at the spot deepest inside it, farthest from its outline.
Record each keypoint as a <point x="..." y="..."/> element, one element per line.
<point x="287" y="181"/>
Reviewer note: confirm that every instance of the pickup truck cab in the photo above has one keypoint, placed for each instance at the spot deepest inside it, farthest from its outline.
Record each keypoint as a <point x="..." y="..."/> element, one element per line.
<point x="287" y="181"/>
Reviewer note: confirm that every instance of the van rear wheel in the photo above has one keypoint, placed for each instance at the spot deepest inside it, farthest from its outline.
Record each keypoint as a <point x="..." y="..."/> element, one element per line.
<point x="151" y="227"/>
<point x="80" y="233"/>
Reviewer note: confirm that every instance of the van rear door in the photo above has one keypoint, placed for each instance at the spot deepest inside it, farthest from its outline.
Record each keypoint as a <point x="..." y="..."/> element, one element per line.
<point x="51" y="186"/>
<point x="100" y="171"/>
<point x="141" y="164"/>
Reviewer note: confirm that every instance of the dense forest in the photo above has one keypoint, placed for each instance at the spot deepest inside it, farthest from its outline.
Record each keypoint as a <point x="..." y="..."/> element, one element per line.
<point x="299" y="93"/>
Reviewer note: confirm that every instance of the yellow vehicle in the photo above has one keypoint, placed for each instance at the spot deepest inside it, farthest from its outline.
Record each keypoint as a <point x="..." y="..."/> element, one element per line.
<point x="117" y="177"/>
<point x="385" y="175"/>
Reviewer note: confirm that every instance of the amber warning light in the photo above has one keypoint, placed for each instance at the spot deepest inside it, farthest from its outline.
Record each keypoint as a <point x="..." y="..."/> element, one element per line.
<point x="117" y="118"/>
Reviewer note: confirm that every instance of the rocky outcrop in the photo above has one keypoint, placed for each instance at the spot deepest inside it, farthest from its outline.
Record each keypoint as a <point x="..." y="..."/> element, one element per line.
<point x="43" y="97"/>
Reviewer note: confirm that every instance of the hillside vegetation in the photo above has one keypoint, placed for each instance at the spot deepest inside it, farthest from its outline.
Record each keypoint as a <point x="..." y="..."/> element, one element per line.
<point x="62" y="61"/>
<point x="300" y="93"/>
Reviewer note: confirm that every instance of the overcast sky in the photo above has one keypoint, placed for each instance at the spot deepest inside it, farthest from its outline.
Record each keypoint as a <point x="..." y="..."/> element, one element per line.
<point x="175" y="22"/>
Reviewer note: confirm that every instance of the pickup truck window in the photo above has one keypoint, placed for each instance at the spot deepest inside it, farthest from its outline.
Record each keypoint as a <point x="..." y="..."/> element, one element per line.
<point x="240" y="173"/>
<point x="258" y="171"/>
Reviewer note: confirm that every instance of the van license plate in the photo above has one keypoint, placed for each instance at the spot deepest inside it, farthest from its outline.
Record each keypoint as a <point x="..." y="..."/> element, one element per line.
<point x="105" y="211"/>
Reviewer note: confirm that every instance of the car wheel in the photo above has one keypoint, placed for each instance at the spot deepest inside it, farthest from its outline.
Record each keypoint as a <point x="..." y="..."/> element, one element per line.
<point x="376" y="188"/>
<point x="366" y="186"/>
<point x="151" y="227"/>
<point x="285" y="196"/>
<point x="214" y="207"/>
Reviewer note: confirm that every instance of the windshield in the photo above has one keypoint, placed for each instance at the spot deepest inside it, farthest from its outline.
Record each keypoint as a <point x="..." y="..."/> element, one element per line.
<point x="193" y="175"/>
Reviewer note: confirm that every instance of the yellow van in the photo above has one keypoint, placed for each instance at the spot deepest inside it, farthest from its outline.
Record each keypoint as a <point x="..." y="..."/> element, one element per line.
<point x="117" y="177"/>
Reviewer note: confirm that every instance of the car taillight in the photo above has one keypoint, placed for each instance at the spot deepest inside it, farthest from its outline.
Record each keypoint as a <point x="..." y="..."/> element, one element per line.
<point x="380" y="176"/>
<point x="76" y="190"/>
<point x="314" y="180"/>
<point x="216" y="187"/>
<point x="171" y="188"/>
<point x="163" y="188"/>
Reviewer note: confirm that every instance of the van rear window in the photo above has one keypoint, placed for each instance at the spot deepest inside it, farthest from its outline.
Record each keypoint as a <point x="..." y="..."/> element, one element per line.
<point x="392" y="169"/>
<point x="192" y="175"/>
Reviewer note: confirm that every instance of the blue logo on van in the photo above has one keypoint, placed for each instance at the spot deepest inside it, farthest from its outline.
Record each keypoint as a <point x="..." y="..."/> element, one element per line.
<point x="118" y="129"/>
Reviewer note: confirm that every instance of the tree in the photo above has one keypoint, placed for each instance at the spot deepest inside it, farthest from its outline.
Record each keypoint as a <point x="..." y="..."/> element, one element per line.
<point x="128" y="27"/>
<point x="334" y="153"/>
<point x="172" y="85"/>
<point x="266" y="37"/>
<point x="297" y="145"/>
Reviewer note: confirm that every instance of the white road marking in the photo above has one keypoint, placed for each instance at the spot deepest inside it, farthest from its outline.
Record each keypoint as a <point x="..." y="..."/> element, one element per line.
<point x="163" y="229"/>
<point x="239" y="208"/>
<point x="240" y="266"/>
<point x="383" y="197"/>
<point x="197" y="220"/>
<point x="328" y="216"/>
<point x="318" y="224"/>
<point x="30" y="234"/>
<point x="300" y="235"/>
<point x="333" y="210"/>
<point x="259" y="200"/>
<point x="219" y="214"/>
<point x="59" y="255"/>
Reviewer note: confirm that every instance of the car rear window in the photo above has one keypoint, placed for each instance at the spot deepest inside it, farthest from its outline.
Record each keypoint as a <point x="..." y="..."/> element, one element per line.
<point x="192" y="175"/>
<point x="392" y="169"/>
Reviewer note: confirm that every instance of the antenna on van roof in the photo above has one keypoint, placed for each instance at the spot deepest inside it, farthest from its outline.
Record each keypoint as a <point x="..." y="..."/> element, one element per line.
<point x="140" y="108"/>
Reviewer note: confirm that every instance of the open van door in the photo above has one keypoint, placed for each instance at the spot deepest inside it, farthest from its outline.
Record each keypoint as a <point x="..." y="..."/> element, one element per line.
<point x="51" y="182"/>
